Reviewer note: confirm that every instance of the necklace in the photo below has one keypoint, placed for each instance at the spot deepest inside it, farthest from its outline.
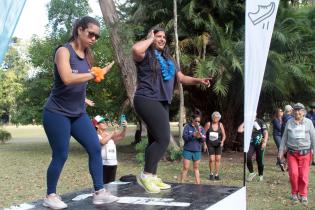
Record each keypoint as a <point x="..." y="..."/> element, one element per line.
<point x="167" y="66"/>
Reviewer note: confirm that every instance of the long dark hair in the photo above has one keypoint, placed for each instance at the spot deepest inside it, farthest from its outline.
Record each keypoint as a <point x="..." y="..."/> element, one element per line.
<point x="165" y="53"/>
<point x="84" y="23"/>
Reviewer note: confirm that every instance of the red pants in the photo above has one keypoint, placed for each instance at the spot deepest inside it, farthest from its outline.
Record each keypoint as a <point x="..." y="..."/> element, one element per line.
<point x="299" y="169"/>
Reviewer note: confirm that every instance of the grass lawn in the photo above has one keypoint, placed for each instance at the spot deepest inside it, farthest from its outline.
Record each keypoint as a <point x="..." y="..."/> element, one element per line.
<point x="24" y="161"/>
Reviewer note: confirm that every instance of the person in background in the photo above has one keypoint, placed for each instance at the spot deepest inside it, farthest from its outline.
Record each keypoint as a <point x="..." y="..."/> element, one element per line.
<point x="65" y="114"/>
<point x="257" y="145"/>
<point x="288" y="114"/>
<point x="215" y="138"/>
<point x="311" y="115"/>
<point x="156" y="73"/>
<point x="194" y="137"/>
<point x="108" y="141"/>
<point x="298" y="141"/>
<point x="276" y="131"/>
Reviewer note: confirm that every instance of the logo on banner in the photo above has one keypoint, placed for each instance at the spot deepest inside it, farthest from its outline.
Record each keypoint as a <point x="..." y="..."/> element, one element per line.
<point x="263" y="13"/>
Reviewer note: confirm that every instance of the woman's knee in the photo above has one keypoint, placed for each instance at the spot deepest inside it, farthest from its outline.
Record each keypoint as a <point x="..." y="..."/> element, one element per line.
<point x="218" y="158"/>
<point x="211" y="158"/>
<point x="60" y="157"/>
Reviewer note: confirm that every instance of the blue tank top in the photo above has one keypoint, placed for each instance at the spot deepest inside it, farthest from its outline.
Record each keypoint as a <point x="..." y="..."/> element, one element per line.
<point x="69" y="100"/>
<point x="153" y="86"/>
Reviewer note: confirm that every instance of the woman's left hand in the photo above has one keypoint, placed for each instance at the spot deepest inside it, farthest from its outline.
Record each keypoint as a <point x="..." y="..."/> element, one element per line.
<point x="89" y="102"/>
<point x="263" y="145"/>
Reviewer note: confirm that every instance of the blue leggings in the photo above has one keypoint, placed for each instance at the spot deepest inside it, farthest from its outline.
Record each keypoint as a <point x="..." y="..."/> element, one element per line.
<point x="59" y="129"/>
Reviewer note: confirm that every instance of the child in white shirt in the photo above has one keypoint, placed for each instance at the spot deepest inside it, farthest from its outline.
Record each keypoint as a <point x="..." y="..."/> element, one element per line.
<point x="108" y="140"/>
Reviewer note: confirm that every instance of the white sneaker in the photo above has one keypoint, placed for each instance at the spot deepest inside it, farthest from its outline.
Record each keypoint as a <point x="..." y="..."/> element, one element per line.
<point x="54" y="201"/>
<point x="261" y="178"/>
<point x="103" y="196"/>
<point x="251" y="176"/>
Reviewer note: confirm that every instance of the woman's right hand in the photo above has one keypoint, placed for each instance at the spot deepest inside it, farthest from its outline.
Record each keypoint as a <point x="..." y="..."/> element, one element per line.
<point x="150" y="35"/>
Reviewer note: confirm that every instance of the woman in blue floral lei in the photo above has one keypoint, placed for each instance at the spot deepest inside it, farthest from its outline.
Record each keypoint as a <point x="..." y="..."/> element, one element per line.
<point x="156" y="72"/>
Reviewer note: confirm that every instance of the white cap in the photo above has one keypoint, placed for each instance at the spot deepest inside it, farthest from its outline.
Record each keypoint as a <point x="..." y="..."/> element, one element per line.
<point x="288" y="108"/>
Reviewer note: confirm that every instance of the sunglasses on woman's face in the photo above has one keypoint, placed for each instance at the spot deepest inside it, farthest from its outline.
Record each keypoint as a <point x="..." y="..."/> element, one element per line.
<point x="92" y="35"/>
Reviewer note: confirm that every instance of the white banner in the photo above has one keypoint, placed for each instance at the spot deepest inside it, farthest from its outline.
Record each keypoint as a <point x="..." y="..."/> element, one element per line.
<point x="260" y="17"/>
<point x="10" y="11"/>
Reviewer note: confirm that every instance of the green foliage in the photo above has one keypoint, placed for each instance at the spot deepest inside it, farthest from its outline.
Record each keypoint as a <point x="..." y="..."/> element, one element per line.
<point x="107" y="95"/>
<point x="5" y="136"/>
<point x="62" y="13"/>
<point x="12" y="75"/>
<point x="140" y="148"/>
<point x="173" y="154"/>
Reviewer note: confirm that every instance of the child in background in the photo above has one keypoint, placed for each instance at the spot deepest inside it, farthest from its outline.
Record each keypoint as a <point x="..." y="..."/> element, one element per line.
<point x="108" y="140"/>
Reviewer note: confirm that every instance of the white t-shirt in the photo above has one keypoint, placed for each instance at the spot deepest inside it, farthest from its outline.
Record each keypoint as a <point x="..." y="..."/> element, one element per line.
<point x="109" y="156"/>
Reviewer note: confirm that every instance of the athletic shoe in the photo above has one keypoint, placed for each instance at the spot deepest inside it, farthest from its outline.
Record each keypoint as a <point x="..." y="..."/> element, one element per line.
<point x="103" y="196"/>
<point x="159" y="183"/>
<point x="294" y="199"/>
<point x="261" y="178"/>
<point x="216" y="177"/>
<point x="148" y="184"/>
<point x="54" y="201"/>
<point x="304" y="200"/>
<point x="211" y="177"/>
<point x="251" y="176"/>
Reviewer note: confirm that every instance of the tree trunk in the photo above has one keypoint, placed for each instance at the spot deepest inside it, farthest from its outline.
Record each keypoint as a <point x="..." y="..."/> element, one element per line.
<point x="125" y="62"/>
<point x="180" y="86"/>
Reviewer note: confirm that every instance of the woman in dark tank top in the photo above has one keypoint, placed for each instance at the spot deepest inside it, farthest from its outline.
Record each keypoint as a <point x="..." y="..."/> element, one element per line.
<point x="215" y="138"/>
<point x="65" y="115"/>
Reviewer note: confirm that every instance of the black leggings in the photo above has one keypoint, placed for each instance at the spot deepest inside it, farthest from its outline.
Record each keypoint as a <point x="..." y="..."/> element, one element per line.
<point x="259" y="158"/>
<point x="155" y="114"/>
<point x="109" y="173"/>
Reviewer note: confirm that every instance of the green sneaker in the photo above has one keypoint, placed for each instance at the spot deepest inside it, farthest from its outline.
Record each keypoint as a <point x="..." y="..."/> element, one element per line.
<point x="251" y="176"/>
<point x="158" y="182"/>
<point x="148" y="184"/>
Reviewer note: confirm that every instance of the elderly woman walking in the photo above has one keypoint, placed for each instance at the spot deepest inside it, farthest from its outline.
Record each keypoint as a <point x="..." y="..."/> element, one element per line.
<point x="298" y="140"/>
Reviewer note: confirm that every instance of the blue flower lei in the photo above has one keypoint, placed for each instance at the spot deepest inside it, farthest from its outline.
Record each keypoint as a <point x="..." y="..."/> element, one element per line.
<point x="167" y="66"/>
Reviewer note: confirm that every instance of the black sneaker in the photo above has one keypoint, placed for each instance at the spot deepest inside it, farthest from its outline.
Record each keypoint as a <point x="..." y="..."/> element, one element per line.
<point x="211" y="177"/>
<point x="217" y="177"/>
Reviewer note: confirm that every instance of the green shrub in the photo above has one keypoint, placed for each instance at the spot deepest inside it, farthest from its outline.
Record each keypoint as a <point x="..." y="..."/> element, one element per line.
<point x="173" y="154"/>
<point x="4" y="136"/>
<point x="140" y="148"/>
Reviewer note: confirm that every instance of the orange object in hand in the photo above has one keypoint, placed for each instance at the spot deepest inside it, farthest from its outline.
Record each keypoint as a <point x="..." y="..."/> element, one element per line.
<point x="98" y="73"/>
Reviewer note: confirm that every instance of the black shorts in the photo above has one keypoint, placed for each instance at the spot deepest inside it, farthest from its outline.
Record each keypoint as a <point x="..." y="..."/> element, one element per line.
<point x="214" y="150"/>
<point x="109" y="173"/>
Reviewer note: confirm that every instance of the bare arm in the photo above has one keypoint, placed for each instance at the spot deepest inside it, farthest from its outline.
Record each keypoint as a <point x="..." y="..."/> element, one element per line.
<point x="105" y="137"/>
<point x="139" y="48"/>
<point x="223" y="134"/>
<point x="62" y="58"/>
<point x="265" y="139"/>
<point x="187" y="80"/>
<point x="120" y="135"/>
